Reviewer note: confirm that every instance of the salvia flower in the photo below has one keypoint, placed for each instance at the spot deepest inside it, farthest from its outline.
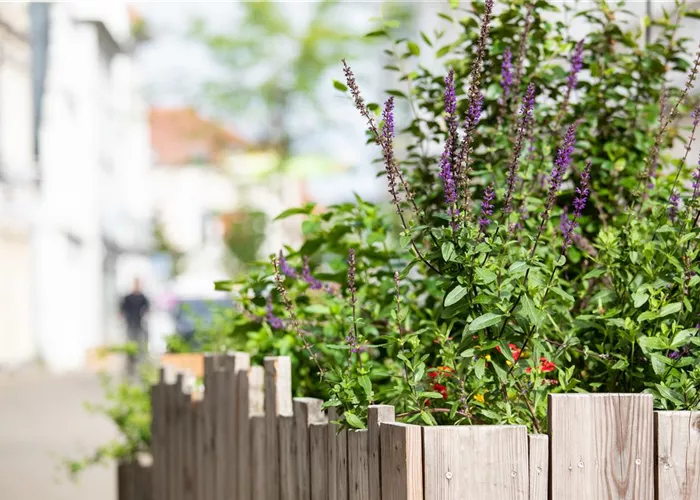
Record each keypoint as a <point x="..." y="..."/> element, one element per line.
<point x="561" y="165"/>
<point x="696" y="181"/>
<point x="286" y="269"/>
<point x="449" y="188"/>
<point x="351" y="273"/>
<point x="673" y="206"/>
<point x="487" y="207"/>
<point x="507" y="72"/>
<point x="306" y="275"/>
<point x="388" y="117"/>
<point x="450" y="98"/>
<point x="474" y="111"/>
<point x="274" y="321"/>
<point x="525" y="117"/>
<point x="576" y="65"/>
<point x="579" y="203"/>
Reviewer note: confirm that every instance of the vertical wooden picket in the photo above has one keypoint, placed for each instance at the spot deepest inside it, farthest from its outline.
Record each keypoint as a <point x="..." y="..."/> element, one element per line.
<point x="402" y="461"/>
<point x="259" y="465"/>
<point x="377" y="415"/>
<point x="197" y="425"/>
<point x="306" y="412"/>
<point x="677" y="455"/>
<point x="332" y="443"/>
<point x="241" y="451"/>
<point x="488" y="461"/>
<point x="341" y="465"/>
<point x="189" y="486"/>
<point x="538" y="455"/>
<point x="288" y="458"/>
<point x="318" y="459"/>
<point x="278" y="401"/>
<point x="158" y="439"/>
<point x="601" y="446"/>
<point x="358" y="465"/>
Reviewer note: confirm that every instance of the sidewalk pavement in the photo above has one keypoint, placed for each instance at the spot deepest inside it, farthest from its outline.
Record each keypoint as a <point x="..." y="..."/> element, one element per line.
<point x="42" y="422"/>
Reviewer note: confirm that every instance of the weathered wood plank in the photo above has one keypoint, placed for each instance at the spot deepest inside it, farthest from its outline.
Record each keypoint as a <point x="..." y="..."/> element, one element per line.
<point x="377" y="414"/>
<point x="402" y="461"/>
<point x="126" y="487"/>
<point x="341" y="465"/>
<point x="256" y="386"/>
<point x="189" y="490"/>
<point x="242" y="426"/>
<point x="209" y="449"/>
<point x="306" y="412"/>
<point x="230" y="395"/>
<point x="158" y="443"/>
<point x="677" y="455"/>
<point x="288" y="458"/>
<point x="318" y="448"/>
<point x="260" y="476"/>
<point x="278" y="401"/>
<point x="197" y="426"/>
<point x="601" y="446"/>
<point x="332" y="429"/>
<point x="490" y="462"/>
<point x="538" y="454"/>
<point x="145" y="482"/>
<point x="358" y="464"/>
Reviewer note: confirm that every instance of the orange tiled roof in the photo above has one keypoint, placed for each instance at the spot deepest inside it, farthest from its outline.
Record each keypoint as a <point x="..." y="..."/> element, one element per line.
<point x="179" y="136"/>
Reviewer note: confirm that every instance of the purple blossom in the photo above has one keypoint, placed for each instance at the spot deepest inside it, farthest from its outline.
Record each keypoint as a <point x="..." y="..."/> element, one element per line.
<point x="450" y="98"/>
<point x="674" y="354"/>
<point x="388" y="117"/>
<point x="673" y="205"/>
<point x="448" y="186"/>
<point x="286" y="269"/>
<point x="270" y="317"/>
<point x="487" y="207"/>
<point x="474" y="111"/>
<point x="351" y="272"/>
<point x="576" y="65"/>
<point x="579" y="203"/>
<point x="561" y="164"/>
<point x="507" y="72"/>
<point x="306" y="275"/>
<point x="525" y="117"/>
<point x="696" y="181"/>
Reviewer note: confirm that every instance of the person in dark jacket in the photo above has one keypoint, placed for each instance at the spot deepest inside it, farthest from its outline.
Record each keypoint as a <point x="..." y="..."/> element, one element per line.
<point x="134" y="308"/>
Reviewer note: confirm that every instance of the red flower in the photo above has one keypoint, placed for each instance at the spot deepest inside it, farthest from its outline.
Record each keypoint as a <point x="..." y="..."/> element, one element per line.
<point x="514" y="351"/>
<point x="441" y="389"/>
<point x="440" y="370"/>
<point x="546" y="366"/>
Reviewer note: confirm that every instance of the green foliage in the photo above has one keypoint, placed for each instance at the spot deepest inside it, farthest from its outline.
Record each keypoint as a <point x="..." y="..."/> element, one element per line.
<point x="128" y="406"/>
<point x="245" y="235"/>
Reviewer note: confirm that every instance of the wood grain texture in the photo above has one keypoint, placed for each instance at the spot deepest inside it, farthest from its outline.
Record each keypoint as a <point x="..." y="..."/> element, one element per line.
<point x="288" y="458"/>
<point x="376" y="415"/>
<point x="188" y="450"/>
<point x="341" y="465"/>
<point x="242" y="426"/>
<point x="483" y="462"/>
<point x="538" y="455"/>
<point x="601" y="446"/>
<point x="677" y="455"/>
<point x="358" y="464"/>
<point x="210" y="432"/>
<point x="197" y="423"/>
<point x="230" y="394"/>
<point x="256" y="395"/>
<point x="332" y="430"/>
<point x="278" y="401"/>
<point x="402" y="461"/>
<point x="306" y="412"/>
<point x="259" y="470"/>
<point x="319" y="465"/>
<point x="158" y="442"/>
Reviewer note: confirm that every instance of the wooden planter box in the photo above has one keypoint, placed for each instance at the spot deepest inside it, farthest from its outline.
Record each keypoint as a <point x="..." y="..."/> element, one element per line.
<point x="248" y="439"/>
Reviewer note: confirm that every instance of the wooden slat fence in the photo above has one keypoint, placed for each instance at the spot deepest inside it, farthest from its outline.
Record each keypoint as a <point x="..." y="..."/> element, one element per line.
<point x="246" y="438"/>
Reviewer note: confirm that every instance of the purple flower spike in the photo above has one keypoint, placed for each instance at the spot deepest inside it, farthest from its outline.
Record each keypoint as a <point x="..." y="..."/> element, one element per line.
<point x="487" y="207"/>
<point x="561" y="164"/>
<point x="507" y="72"/>
<point x="525" y="117"/>
<point x="388" y="117"/>
<point x="448" y="185"/>
<point x="580" y="200"/>
<point x="474" y="111"/>
<point x="673" y="206"/>
<point x="270" y="317"/>
<point x="286" y="269"/>
<point x="450" y="98"/>
<point x="576" y="65"/>
<point x="306" y="275"/>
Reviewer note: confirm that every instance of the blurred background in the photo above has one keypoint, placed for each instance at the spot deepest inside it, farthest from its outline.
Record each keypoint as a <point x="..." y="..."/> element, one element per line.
<point x="158" y="141"/>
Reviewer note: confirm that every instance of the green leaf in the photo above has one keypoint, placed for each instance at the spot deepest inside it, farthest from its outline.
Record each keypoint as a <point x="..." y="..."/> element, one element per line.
<point x="683" y="337"/>
<point x="365" y="383"/>
<point x="640" y="298"/>
<point x="486" y="276"/>
<point x="448" y="251"/>
<point x="652" y="343"/>
<point x="646" y="316"/>
<point x="340" y="86"/>
<point x="305" y="210"/>
<point x="517" y="267"/>
<point x="455" y="295"/>
<point x="480" y="368"/>
<point x="531" y="311"/>
<point x="484" y="321"/>
<point x="670" y="394"/>
<point x="353" y="420"/>
<point x="430" y="395"/>
<point x="670" y="309"/>
<point x="377" y="33"/>
<point x="396" y="93"/>
<point x="404" y="240"/>
<point x="317" y="309"/>
<point x="223" y="286"/>
<point x="413" y="48"/>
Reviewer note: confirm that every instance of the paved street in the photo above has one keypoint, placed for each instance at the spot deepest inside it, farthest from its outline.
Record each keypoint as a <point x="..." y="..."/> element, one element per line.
<point x="42" y="420"/>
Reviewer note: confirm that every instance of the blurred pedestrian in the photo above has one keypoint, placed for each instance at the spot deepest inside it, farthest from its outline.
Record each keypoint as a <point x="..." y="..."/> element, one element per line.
<point x="134" y="308"/>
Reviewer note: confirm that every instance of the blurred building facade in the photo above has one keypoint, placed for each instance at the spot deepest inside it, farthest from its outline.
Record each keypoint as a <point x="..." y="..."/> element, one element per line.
<point x="205" y="176"/>
<point x="18" y="188"/>
<point x="92" y="224"/>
